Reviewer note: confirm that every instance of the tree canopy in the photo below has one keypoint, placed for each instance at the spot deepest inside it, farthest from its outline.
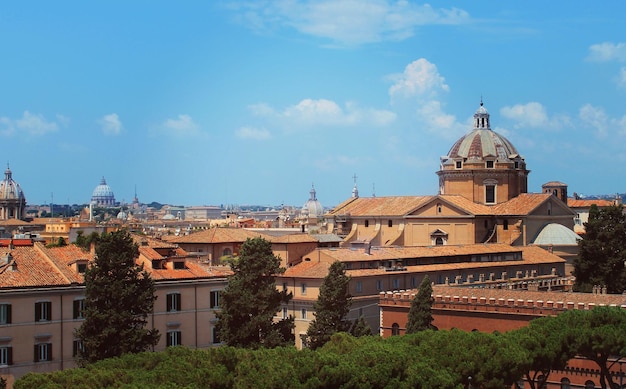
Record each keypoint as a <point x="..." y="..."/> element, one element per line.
<point x="420" y="313"/>
<point x="119" y="295"/>
<point x="331" y="307"/>
<point x="602" y="251"/>
<point x="250" y="300"/>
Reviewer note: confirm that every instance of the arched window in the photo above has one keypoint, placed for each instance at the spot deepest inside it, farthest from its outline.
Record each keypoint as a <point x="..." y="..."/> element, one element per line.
<point x="589" y="385"/>
<point x="227" y="251"/>
<point x="395" y="329"/>
<point x="565" y="383"/>
<point x="439" y="241"/>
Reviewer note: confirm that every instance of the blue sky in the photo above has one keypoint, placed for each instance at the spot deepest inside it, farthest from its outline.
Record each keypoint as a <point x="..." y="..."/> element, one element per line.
<point x="252" y="102"/>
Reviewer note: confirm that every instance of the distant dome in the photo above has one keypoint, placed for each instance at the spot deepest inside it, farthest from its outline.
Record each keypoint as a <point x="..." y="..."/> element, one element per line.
<point x="122" y="215"/>
<point x="9" y="189"/>
<point x="312" y="208"/>
<point x="12" y="200"/>
<point x="556" y="234"/>
<point x="483" y="142"/>
<point x="103" y="195"/>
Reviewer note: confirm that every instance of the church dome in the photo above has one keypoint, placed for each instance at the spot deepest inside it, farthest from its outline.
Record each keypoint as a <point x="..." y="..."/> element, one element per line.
<point x="103" y="194"/>
<point x="9" y="189"/>
<point x="312" y="208"/>
<point x="482" y="142"/>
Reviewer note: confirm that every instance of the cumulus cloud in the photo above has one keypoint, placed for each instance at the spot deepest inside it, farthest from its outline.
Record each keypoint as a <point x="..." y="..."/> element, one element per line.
<point x="420" y="78"/>
<point x="30" y="124"/>
<point x="347" y="22"/>
<point x="597" y="119"/>
<point x="607" y="51"/>
<point x="534" y="115"/>
<point x="110" y="124"/>
<point x="253" y="133"/>
<point x="182" y="125"/>
<point x="323" y="113"/>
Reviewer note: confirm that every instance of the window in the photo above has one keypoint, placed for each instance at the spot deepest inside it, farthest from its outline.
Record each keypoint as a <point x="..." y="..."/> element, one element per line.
<point x="367" y="223"/>
<point x="78" y="308"/>
<point x="489" y="164"/>
<point x="303" y="289"/>
<point x="284" y="286"/>
<point x="379" y="285"/>
<point x="215" y="335"/>
<point x="390" y="223"/>
<point x="303" y="313"/>
<point x="395" y="329"/>
<point x="5" y="313"/>
<point x="459" y="164"/>
<point x="179" y="265"/>
<point x="173" y="302"/>
<point x="227" y="252"/>
<point x="43" y="311"/>
<point x="43" y="352"/>
<point x="82" y="267"/>
<point x="565" y="383"/>
<point x="77" y="347"/>
<point x="490" y="194"/>
<point x="173" y="338"/>
<point x="439" y="209"/>
<point x="6" y="356"/>
<point x="516" y="164"/>
<point x="214" y="298"/>
<point x="439" y="241"/>
<point x="396" y="283"/>
<point x="413" y="282"/>
<point x="505" y="224"/>
<point x="359" y="286"/>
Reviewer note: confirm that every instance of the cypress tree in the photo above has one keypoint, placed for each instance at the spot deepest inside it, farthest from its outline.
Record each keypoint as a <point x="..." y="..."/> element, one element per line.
<point x="420" y="313"/>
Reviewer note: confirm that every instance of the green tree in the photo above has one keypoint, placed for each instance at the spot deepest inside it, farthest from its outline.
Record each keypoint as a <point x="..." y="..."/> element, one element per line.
<point x="119" y="295"/>
<point x="331" y="307"/>
<point x="251" y="300"/>
<point x="420" y="313"/>
<point x="598" y="335"/>
<point x="85" y="242"/>
<point x="546" y="348"/>
<point x="360" y="328"/>
<point x="602" y="251"/>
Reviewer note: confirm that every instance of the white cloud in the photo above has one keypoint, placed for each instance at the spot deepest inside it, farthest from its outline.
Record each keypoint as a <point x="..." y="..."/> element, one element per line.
<point x="621" y="78"/>
<point x="607" y="51"/>
<point x="601" y="122"/>
<point x="182" y="125"/>
<point x="31" y="124"/>
<point x="534" y="115"/>
<point x="347" y="22"/>
<point x="323" y="113"/>
<point x="420" y="78"/>
<point x="253" y="133"/>
<point x="111" y="124"/>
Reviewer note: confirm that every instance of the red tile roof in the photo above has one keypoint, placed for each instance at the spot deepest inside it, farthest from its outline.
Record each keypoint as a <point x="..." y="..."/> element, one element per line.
<point x="219" y="235"/>
<point x="588" y="203"/>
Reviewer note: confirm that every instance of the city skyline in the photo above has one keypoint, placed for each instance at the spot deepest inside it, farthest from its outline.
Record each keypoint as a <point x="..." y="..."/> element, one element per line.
<point x="253" y="102"/>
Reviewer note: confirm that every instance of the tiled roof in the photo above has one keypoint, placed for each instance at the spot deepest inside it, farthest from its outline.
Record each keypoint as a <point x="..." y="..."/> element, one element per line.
<point x="572" y="203"/>
<point x="380" y="206"/>
<point x="64" y="257"/>
<point x="523" y="204"/>
<point x="308" y="269"/>
<point x="33" y="270"/>
<point x="467" y="205"/>
<point x="219" y="235"/>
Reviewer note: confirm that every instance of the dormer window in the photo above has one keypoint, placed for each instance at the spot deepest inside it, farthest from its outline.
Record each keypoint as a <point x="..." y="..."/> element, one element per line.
<point x="459" y="164"/>
<point x="489" y="164"/>
<point x="517" y="164"/>
<point x="80" y="266"/>
<point x="179" y="265"/>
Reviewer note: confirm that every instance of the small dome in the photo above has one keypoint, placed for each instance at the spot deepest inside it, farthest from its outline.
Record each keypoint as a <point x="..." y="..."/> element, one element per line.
<point x="103" y="194"/>
<point x="556" y="234"/>
<point x="312" y="208"/>
<point x="9" y="189"/>
<point x="122" y="215"/>
<point x="482" y="142"/>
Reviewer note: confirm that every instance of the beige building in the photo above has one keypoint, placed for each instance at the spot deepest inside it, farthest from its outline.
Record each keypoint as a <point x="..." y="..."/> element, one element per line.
<point x="42" y="292"/>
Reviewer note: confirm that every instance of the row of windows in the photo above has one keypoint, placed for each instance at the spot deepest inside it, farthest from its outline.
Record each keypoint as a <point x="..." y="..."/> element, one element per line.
<point x="43" y="309"/>
<point x="389" y="223"/>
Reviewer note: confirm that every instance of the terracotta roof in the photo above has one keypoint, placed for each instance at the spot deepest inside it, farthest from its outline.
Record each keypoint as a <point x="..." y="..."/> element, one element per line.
<point x="14" y="222"/>
<point x="572" y="203"/>
<point x="380" y="206"/>
<point x="219" y="235"/>
<point x="64" y="257"/>
<point x="294" y="238"/>
<point x="523" y="204"/>
<point x="33" y="270"/>
<point x="467" y="205"/>
<point x="308" y="269"/>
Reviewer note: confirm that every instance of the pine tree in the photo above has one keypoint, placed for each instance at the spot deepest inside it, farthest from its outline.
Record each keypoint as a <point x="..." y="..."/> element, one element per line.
<point x="251" y="300"/>
<point x="420" y="313"/>
<point x="331" y="307"/>
<point x="119" y="295"/>
<point x="602" y="251"/>
<point x="360" y="328"/>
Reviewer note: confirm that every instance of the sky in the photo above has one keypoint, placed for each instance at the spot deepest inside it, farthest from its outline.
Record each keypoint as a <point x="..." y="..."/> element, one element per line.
<point x="255" y="102"/>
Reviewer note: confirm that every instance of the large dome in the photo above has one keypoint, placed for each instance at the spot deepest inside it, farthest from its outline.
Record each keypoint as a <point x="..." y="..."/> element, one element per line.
<point x="312" y="208"/>
<point x="9" y="189"/>
<point x="103" y="194"/>
<point x="482" y="142"/>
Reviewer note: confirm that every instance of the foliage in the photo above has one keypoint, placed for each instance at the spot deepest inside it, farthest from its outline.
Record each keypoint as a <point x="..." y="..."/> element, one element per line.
<point x="360" y="328"/>
<point x="602" y="251"/>
<point x="119" y="295"/>
<point x="546" y="349"/>
<point x="85" y="242"/>
<point x="598" y="335"/>
<point x="420" y="313"/>
<point x="331" y="307"/>
<point x="60" y="242"/>
<point x="250" y="301"/>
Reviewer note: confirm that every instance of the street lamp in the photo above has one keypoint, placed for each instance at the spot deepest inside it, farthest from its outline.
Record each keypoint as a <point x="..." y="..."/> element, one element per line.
<point x="469" y="382"/>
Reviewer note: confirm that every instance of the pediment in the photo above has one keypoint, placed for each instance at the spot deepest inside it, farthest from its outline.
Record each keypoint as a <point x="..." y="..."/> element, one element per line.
<point x="440" y="208"/>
